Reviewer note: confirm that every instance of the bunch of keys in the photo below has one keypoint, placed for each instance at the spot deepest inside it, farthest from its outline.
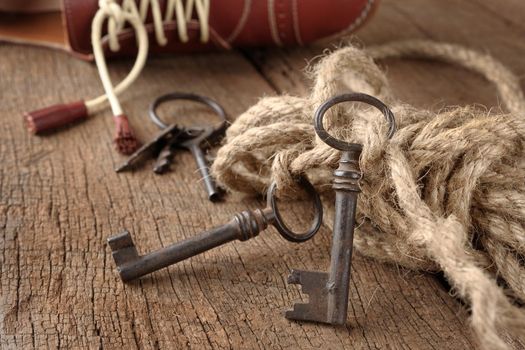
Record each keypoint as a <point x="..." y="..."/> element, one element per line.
<point x="244" y="226"/>
<point x="173" y="137"/>
<point x="328" y="292"/>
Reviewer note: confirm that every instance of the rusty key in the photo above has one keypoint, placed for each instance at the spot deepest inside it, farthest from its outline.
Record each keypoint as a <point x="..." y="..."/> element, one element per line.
<point x="244" y="225"/>
<point x="207" y="136"/>
<point x="328" y="292"/>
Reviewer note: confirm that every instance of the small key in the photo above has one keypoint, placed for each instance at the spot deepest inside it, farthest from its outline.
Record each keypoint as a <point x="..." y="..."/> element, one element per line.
<point x="328" y="292"/>
<point x="245" y="225"/>
<point x="169" y="134"/>
<point x="195" y="146"/>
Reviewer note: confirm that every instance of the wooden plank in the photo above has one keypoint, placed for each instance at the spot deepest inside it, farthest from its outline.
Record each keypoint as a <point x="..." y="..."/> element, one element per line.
<point x="60" y="199"/>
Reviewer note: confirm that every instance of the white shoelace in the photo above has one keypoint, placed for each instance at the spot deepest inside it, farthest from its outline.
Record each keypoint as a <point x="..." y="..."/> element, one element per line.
<point x="117" y="16"/>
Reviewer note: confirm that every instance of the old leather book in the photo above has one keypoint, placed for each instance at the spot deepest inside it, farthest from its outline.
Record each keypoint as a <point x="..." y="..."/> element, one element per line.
<point x="66" y="24"/>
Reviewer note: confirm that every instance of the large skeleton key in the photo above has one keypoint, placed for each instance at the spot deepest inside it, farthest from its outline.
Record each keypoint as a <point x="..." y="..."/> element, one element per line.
<point x="245" y="225"/>
<point x="328" y="292"/>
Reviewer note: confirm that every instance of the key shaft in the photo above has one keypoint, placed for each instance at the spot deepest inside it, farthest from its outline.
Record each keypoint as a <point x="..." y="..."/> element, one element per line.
<point x="245" y="225"/>
<point x="346" y="188"/>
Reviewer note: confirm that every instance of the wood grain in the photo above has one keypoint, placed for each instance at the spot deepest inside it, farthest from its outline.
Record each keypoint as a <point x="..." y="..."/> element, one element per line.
<point x="60" y="199"/>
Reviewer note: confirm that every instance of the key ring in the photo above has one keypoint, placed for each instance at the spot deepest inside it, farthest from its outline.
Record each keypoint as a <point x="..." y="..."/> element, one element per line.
<point x="350" y="97"/>
<point x="216" y="107"/>
<point x="279" y="222"/>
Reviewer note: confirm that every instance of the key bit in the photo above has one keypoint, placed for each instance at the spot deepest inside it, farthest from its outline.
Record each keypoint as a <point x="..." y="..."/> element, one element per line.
<point x="171" y="132"/>
<point x="244" y="226"/>
<point x="313" y="284"/>
<point x="328" y="292"/>
<point x="130" y="266"/>
<point x="164" y="159"/>
<point x="123" y="248"/>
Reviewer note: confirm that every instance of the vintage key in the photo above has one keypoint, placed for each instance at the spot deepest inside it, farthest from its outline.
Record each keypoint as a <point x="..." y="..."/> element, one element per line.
<point x="208" y="135"/>
<point x="245" y="225"/>
<point x="328" y="292"/>
<point x="195" y="146"/>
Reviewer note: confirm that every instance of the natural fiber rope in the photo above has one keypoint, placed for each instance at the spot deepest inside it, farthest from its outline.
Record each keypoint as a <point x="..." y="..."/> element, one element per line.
<point x="447" y="192"/>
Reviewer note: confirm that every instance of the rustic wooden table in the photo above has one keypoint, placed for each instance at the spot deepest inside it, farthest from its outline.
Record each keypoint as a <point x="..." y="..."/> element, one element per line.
<point x="60" y="199"/>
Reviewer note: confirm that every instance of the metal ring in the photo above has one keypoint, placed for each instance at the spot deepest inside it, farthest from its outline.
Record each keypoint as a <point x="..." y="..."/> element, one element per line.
<point x="279" y="222"/>
<point x="351" y="97"/>
<point x="190" y="97"/>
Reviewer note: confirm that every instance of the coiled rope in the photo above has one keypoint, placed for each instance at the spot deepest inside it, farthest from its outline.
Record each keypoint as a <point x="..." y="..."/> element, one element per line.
<point x="447" y="192"/>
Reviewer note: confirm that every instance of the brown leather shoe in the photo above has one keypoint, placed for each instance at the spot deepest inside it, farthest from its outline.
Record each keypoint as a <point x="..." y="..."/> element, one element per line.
<point x="232" y="23"/>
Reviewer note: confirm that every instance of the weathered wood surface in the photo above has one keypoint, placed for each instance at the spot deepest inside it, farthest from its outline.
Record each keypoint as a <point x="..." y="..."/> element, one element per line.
<point x="60" y="200"/>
